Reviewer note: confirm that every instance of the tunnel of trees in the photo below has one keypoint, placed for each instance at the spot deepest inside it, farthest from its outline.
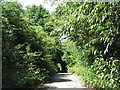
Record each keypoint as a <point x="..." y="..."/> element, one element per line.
<point x="32" y="49"/>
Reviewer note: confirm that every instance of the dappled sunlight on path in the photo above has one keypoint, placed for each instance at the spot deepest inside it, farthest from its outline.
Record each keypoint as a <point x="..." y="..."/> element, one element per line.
<point x="64" y="80"/>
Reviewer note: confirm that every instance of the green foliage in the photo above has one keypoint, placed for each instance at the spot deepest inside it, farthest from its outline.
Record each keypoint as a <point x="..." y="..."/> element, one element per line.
<point x="101" y="74"/>
<point x="94" y="30"/>
<point x="28" y="52"/>
<point x="32" y="48"/>
<point x="37" y="14"/>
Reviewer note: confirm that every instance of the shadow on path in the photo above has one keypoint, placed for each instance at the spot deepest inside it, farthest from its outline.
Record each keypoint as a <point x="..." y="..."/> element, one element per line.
<point x="63" y="80"/>
<point x="60" y="77"/>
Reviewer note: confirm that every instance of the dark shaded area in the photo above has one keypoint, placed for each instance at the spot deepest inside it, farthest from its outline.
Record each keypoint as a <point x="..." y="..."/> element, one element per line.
<point x="64" y="68"/>
<point x="59" y="60"/>
<point x="58" y="77"/>
<point x="45" y="88"/>
<point x="62" y="80"/>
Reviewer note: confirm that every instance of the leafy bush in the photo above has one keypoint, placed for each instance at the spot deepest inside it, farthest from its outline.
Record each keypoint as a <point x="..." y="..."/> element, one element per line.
<point x="29" y="53"/>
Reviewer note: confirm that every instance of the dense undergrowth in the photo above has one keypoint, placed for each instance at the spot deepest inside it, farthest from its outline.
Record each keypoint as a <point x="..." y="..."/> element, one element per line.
<point x="30" y="49"/>
<point x="93" y="41"/>
<point x="101" y="74"/>
<point x="32" y="45"/>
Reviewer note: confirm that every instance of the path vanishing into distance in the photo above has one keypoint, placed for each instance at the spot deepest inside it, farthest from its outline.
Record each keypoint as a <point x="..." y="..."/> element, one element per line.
<point x="64" y="80"/>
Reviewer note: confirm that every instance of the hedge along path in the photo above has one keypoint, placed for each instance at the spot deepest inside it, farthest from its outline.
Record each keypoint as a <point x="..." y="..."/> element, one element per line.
<point x="64" y="80"/>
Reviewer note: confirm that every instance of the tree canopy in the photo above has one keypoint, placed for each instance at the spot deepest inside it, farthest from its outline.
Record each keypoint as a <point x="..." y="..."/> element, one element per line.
<point x="34" y="49"/>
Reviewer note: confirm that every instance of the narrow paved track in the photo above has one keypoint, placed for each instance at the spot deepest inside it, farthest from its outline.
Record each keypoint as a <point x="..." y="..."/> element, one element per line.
<point x="64" y="80"/>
